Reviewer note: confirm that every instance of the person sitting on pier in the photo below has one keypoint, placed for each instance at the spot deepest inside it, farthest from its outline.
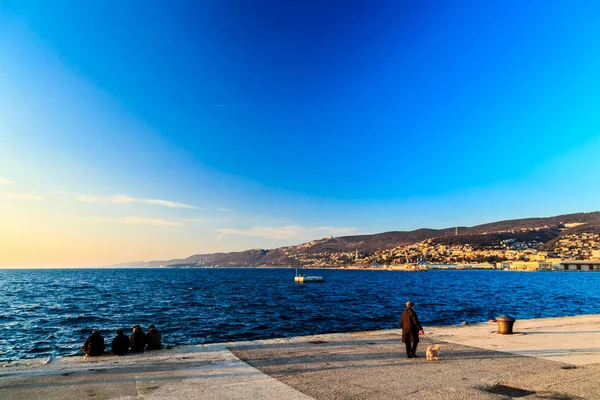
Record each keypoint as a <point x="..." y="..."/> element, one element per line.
<point x="137" y="340"/>
<point x="411" y="329"/>
<point x="94" y="345"/>
<point x="153" y="338"/>
<point x="120" y="344"/>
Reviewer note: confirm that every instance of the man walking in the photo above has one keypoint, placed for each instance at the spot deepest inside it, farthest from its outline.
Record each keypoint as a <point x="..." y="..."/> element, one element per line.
<point x="411" y="328"/>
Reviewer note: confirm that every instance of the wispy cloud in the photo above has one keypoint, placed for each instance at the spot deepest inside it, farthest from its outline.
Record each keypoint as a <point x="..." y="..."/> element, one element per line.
<point x="4" y="181"/>
<point x="60" y="192"/>
<point x="224" y="209"/>
<point x="195" y="220"/>
<point x="22" y="196"/>
<point x="167" y="203"/>
<point x="286" y="232"/>
<point x="124" y="199"/>
<point x="114" y="199"/>
<point x="136" y="221"/>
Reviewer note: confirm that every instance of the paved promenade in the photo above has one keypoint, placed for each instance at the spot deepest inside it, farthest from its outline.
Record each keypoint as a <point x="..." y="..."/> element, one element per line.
<point x="554" y="358"/>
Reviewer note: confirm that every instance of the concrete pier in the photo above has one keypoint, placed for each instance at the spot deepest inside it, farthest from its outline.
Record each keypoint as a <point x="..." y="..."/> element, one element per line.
<point x="553" y="358"/>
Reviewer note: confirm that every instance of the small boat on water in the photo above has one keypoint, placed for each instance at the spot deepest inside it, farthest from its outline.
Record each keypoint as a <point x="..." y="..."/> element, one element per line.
<point x="299" y="278"/>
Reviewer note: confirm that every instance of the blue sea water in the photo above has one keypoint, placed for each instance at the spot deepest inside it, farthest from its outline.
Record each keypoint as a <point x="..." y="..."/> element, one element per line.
<point x="51" y="312"/>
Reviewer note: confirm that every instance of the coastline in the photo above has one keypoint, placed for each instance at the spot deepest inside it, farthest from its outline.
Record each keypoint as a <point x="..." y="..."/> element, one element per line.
<point x="446" y="332"/>
<point x="392" y="268"/>
<point x="536" y="355"/>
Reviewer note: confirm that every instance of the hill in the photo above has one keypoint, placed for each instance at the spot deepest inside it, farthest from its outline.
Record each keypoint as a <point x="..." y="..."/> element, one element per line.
<point x="537" y="233"/>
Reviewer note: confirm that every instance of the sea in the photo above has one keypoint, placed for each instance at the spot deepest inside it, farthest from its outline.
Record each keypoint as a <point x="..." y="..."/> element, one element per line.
<point x="49" y="313"/>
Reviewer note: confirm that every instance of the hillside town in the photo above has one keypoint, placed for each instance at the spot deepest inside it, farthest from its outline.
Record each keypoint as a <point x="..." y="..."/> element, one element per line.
<point x="569" y="242"/>
<point x="577" y="251"/>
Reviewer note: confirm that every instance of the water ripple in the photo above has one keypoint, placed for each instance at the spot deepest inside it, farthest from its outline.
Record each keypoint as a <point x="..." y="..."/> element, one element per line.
<point x="51" y="312"/>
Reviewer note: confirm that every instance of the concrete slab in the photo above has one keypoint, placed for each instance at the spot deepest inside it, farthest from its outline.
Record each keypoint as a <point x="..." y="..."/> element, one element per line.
<point x="556" y="358"/>
<point x="572" y="340"/>
<point x="374" y="366"/>
<point x="191" y="372"/>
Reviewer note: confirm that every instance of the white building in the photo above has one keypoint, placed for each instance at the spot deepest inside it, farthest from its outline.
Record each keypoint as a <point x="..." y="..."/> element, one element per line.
<point x="579" y="265"/>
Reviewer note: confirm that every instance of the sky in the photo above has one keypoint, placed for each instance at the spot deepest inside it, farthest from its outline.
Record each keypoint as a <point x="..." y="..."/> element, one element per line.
<point x="149" y="130"/>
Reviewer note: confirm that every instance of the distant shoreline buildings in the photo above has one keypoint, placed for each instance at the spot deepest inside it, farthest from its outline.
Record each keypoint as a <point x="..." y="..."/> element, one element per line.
<point x="562" y="243"/>
<point x="572" y="252"/>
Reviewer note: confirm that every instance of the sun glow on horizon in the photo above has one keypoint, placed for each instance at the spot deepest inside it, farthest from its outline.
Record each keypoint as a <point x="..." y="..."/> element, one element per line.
<point x="219" y="138"/>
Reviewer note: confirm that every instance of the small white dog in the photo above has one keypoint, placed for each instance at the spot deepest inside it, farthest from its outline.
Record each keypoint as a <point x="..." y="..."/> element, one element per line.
<point x="432" y="352"/>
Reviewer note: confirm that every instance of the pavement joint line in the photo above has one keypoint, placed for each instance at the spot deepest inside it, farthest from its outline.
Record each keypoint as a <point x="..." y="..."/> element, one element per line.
<point x="548" y="342"/>
<point x="137" y="386"/>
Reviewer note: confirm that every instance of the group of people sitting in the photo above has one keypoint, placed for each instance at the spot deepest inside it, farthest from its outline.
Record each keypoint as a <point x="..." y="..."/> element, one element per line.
<point x="137" y="342"/>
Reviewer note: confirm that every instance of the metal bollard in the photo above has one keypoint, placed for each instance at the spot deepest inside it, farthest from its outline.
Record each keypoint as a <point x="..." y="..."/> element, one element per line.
<point x="505" y="324"/>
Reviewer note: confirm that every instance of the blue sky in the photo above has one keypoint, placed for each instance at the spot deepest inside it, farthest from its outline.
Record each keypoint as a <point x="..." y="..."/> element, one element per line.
<point x="153" y="130"/>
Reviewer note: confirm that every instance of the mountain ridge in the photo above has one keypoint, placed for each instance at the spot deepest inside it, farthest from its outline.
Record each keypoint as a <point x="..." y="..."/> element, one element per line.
<point x="342" y="250"/>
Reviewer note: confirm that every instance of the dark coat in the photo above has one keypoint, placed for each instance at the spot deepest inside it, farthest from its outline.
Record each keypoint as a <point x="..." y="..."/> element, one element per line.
<point x="94" y="345"/>
<point x="153" y="339"/>
<point x="137" y="341"/>
<point x="409" y="322"/>
<point x="120" y="344"/>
